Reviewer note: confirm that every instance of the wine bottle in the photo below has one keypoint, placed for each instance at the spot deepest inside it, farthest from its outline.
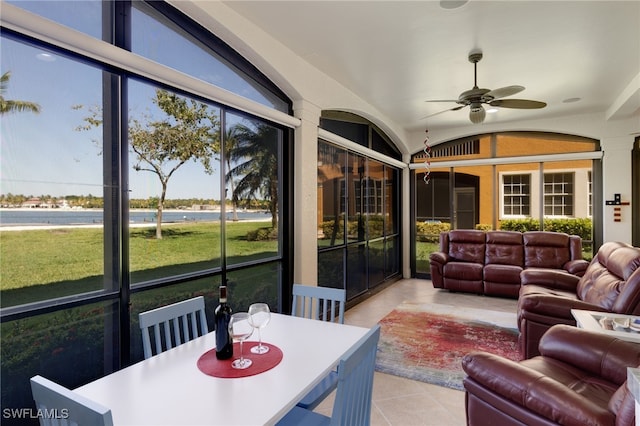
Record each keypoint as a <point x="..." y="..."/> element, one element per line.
<point x="224" y="343"/>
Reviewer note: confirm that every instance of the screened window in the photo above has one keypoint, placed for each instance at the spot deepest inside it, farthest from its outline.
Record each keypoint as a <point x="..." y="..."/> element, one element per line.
<point x="517" y="195"/>
<point x="558" y="194"/>
<point x="174" y="183"/>
<point x="84" y="16"/>
<point x="358" y="244"/>
<point x="51" y="178"/>
<point x="157" y="37"/>
<point x="122" y="193"/>
<point x="489" y="182"/>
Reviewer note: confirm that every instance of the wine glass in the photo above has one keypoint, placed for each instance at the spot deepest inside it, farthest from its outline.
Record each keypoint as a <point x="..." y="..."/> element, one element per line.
<point x="259" y="317"/>
<point x="240" y="329"/>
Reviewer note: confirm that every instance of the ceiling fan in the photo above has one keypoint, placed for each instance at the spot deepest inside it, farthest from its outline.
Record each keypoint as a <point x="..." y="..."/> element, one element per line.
<point x="474" y="98"/>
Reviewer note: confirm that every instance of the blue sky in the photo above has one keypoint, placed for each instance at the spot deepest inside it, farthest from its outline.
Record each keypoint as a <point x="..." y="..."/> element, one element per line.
<point x="44" y="154"/>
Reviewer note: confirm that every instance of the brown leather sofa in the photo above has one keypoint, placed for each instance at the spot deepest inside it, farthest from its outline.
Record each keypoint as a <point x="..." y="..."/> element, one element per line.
<point x="490" y="262"/>
<point x="579" y="379"/>
<point x="611" y="283"/>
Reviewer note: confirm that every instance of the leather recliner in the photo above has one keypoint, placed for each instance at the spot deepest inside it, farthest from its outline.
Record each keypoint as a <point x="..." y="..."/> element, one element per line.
<point x="579" y="379"/>
<point x="611" y="283"/>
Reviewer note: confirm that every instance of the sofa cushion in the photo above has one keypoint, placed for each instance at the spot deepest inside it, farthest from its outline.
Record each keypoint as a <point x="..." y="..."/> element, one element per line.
<point x="508" y="274"/>
<point x="545" y="249"/>
<point x="463" y="276"/>
<point x="504" y="248"/>
<point x="467" y="245"/>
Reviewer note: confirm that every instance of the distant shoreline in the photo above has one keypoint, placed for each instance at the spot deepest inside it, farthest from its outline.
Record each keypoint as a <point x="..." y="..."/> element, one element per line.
<point x="184" y="216"/>
<point x="67" y="210"/>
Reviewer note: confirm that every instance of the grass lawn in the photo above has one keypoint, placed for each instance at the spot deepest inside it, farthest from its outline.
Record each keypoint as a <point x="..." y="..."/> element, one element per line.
<point x="39" y="264"/>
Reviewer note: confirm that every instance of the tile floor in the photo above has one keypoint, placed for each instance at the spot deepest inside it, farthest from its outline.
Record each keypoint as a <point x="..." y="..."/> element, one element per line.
<point x="399" y="401"/>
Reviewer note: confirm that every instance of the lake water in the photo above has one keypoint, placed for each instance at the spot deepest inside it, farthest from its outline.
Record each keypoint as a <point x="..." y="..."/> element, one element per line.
<point x="11" y="217"/>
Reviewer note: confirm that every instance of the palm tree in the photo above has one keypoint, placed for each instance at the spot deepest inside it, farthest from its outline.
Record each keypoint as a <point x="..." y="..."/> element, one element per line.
<point x="255" y="156"/>
<point x="7" y="106"/>
<point x="231" y="137"/>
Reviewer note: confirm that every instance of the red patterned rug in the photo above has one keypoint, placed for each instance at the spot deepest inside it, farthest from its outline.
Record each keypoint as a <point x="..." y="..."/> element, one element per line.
<point x="426" y="342"/>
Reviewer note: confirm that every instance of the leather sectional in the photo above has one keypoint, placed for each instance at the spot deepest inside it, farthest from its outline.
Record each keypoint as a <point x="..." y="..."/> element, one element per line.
<point x="490" y="262"/>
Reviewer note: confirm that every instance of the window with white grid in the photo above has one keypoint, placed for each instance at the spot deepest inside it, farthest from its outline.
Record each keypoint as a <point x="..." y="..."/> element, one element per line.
<point x="558" y="194"/>
<point x="516" y="190"/>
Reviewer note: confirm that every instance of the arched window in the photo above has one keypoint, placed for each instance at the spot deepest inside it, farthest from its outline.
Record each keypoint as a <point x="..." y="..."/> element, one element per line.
<point x="359" y="239"/>
<point x="510" y="180"/>
<point x="134" y="182"/>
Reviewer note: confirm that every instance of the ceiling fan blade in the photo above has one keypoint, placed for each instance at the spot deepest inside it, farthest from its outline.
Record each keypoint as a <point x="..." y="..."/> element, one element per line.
<point x="517" y="103"/>
<point x="442" y="100"/>
<point x="446" y="110"/>
<point x="504" y="91"/>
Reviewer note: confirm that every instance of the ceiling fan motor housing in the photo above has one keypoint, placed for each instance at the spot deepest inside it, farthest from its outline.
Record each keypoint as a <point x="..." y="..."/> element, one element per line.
<point x="474" y="95"/>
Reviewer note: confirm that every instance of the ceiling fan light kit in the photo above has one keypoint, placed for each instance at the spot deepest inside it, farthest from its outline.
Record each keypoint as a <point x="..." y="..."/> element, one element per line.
<point x="477" y="113"/>
<point x="475" y="97"/>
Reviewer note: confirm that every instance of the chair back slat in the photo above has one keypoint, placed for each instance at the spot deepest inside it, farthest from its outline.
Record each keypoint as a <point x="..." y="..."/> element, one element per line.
<point x="169" y="325"/>
<point x="352" y="403"/>
<point x="61" y="406"/>
<point x="322" y="303"/>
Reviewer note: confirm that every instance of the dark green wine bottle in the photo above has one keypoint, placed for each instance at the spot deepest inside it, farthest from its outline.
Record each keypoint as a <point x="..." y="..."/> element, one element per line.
<point x="224" y="342"/>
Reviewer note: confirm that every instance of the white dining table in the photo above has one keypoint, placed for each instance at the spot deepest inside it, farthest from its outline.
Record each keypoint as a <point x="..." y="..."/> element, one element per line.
<point x="170" y="389"/>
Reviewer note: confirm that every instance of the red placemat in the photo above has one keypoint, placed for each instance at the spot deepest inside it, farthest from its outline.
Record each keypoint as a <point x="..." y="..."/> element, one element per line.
<point x="212" y="366"/>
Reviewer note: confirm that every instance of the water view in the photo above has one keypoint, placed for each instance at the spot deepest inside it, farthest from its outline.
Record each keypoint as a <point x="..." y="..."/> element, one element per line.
<point x="43" y="217"/>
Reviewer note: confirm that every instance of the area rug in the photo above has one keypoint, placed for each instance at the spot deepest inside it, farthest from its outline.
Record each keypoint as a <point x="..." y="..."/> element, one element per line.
<point x="426" y="342"/>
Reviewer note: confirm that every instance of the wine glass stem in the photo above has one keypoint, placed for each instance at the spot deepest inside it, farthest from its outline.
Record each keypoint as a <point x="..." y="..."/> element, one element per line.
<point x="259" y="339"/>
<point x="241" y="357"/>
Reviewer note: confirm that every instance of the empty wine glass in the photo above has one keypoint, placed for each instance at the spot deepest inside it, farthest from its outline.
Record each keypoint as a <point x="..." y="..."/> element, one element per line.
<point x="259" y="317"/>
<point x="240" y="329"/>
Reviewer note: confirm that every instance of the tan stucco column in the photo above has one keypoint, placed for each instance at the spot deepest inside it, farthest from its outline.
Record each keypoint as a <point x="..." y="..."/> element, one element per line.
<point x="305" y="238"/>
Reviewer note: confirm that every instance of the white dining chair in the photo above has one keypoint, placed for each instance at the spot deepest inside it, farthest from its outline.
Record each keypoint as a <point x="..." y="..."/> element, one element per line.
<point x="58" y="405"/>
<point x="326" y="304"/>
<point x="323" y="303"/>
<point x="352" y="405"/>
<point x="172" y="325"/>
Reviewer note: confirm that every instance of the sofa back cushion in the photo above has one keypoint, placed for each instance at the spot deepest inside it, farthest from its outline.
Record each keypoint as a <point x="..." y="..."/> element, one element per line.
<point x="504" y="248"/>
<point x="612" y="279"/>
<point x="466" y="245"/>
<point x="543" y="249"/>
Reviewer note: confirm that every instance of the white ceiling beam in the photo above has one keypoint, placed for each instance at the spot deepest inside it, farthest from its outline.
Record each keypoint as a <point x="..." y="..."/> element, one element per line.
<point x="628" y="103"/>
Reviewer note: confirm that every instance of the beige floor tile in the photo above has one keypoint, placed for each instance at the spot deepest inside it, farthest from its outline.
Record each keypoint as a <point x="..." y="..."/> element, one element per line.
<point x="402" y="402"/>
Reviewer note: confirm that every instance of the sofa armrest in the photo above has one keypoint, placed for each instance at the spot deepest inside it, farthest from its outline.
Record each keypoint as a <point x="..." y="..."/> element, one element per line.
<point x="576" y="267"/>
<point x="601" y="354"/>
<point x="549" y="278"/>
<point x="439" y="256"/>
<point x="437" y="260"/>
<point x="552" y="306"/>
<point x="533" y="390"/>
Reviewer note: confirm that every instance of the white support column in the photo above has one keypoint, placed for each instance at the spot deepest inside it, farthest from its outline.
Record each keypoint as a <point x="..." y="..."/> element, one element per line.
<point x="305" y="237"/>
<point x="616" y="172"/>
<point x="405" y="214"/>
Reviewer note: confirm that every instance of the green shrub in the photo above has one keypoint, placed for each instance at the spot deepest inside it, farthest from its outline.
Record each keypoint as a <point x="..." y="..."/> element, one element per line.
<point x="484" y="227"/>
<point x="429" y="232"/>
<point x="328" y="229"/>
<point x="262" y="234"/>
<point x="520" y="225"/>
<point x="580" y="226"/>
<point x="375" y="224"/>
